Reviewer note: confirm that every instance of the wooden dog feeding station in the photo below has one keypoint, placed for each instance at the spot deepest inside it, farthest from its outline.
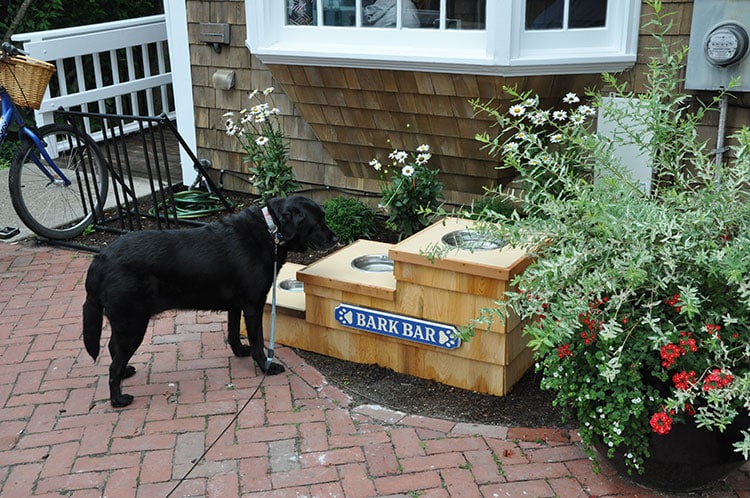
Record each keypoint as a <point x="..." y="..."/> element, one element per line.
<point x="385" y="304"/>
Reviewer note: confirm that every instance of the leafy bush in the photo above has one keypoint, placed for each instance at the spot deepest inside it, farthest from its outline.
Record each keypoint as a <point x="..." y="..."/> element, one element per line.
<point x="410" y="190"/>
<point x="261" y="136"/>
<point x="638" y="302"/>
<point x="349" y="218"/>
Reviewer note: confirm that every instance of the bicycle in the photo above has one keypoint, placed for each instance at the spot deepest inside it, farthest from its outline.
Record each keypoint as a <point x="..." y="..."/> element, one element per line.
<point x="58" y="178"/>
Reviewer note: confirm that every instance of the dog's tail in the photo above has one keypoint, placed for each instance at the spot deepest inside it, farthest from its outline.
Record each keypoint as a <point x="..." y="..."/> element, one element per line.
<point x="93" y="314"/>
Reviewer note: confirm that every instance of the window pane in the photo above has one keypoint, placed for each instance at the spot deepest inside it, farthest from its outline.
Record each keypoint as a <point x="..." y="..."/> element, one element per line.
<point x="428" y="12"/>
<point x="300" y="12"/>
<point x="587" y="13"/>
<point x="339" y="13"/>
<point x="465" y="14"/>
<point x="382" y="14"/>
<point x="544" y="14"/>
<point x="548" y="14"/>
<point x="461" y="14"/>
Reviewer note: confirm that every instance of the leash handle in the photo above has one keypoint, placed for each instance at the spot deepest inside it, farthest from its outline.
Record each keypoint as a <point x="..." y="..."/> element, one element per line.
<point x="272" y="333"/>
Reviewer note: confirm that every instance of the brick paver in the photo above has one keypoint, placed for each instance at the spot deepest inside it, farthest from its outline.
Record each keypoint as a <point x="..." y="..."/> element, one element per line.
<point x="299" y="436"/>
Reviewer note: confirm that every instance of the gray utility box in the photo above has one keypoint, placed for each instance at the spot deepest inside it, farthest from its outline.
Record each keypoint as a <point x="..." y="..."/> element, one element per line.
<point x="719" y="45"/>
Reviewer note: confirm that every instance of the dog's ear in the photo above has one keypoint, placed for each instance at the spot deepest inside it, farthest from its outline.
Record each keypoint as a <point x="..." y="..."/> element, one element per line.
<point x="288" y="215"/>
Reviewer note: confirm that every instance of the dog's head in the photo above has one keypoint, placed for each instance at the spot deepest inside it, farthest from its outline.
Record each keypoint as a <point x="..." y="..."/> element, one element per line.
<point x="302" y="223"/>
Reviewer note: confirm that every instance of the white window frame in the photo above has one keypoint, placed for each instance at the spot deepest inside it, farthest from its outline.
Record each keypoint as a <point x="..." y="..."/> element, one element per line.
<point x="504" y="48"/>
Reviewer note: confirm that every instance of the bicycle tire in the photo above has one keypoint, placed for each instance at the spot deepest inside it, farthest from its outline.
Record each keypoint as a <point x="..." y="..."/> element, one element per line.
<point x="52" y="209"/>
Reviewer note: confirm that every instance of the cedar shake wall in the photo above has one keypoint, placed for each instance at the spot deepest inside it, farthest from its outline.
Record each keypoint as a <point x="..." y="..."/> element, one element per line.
<point x="338" y="119"/>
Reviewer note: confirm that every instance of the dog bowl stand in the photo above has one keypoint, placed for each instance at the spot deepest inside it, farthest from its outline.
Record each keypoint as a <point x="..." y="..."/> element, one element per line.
<point x="420" y="297"/>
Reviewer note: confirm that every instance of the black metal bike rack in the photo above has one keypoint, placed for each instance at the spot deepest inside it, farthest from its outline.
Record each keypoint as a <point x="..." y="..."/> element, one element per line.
<point x="145" y="148"/>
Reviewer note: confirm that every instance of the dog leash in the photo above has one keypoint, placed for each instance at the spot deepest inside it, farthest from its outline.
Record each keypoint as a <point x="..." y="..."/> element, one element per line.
<point x="272" y="329"/>
<point x="277" y="239"/>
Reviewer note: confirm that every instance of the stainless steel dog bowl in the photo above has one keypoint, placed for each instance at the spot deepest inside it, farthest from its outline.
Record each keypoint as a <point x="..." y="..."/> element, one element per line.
<point x="373" y="263"/>
<point x="292" y="285"/>
<point x="471" y="240"/>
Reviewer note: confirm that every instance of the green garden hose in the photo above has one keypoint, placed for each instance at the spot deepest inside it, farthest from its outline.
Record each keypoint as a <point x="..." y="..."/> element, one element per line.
<point x="192" y="204"/>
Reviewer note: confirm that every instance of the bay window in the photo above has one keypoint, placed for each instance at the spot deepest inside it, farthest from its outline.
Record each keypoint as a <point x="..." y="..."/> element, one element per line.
<point x="504" y="37"/>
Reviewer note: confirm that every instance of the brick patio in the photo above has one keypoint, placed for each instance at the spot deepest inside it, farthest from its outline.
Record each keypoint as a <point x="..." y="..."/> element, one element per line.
<point x="298" y="436"/>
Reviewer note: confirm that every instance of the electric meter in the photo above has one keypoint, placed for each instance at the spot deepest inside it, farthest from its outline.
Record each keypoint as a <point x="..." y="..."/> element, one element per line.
<point x="726" y="44"/>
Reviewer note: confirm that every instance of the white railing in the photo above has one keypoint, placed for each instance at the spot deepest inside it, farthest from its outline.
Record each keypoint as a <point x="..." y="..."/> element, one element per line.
<point x="119" y="67"/>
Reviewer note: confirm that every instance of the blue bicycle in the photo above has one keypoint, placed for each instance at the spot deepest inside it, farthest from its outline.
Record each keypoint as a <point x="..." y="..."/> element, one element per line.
<point x="58" y="179"/>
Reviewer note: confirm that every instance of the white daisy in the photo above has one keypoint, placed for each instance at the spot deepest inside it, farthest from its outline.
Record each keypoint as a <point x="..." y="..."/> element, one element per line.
<point x="517" y="110"/>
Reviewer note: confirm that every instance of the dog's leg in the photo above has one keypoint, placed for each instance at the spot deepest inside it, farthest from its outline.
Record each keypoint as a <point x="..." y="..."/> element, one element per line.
<point x="233" y="334"/>
<point x="122" y="345"/>
<point x="254" y="324"/>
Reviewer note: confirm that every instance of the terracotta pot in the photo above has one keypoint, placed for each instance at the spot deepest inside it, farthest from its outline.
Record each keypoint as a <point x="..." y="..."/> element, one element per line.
<point x="688" y="458"/>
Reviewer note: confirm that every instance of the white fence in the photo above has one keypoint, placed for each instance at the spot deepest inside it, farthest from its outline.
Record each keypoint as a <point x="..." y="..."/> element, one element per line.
<point x="119" y="67"/>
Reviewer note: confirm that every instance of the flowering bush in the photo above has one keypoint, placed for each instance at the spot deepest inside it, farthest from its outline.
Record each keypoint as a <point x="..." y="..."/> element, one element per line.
<point x="410" y="189"/>
<point x="638" y="303"/>
<point x="261" y="137"/>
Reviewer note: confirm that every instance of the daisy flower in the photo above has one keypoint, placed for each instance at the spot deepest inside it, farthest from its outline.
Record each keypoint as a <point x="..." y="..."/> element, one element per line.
<point x="539" y="118"/>
<point x="407" y="170"/>
<point x="556" y="138"/>
<point x="577" y="118"/>
<point x="376" y="164"/>
<point x="398" y="156"/>
<point x="423" y="148"/>
<point x="268" y="91"/>
<point x="571" y="98"/>
<point x="261" y="141"/>
<point x="511" y="147"/>
<point x="559" y="115"/>
<point x="423" y="158"/>
<point x="517" y="110"/>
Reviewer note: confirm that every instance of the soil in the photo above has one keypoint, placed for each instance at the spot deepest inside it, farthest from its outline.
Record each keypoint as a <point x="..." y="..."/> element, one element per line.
<point x="525" y="406"/>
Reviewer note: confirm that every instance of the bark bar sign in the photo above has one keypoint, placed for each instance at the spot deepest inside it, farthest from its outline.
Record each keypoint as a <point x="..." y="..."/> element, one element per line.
<point x="402" y="327"/>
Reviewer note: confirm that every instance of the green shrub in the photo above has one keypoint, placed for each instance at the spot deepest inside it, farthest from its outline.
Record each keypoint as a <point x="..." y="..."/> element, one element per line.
<point x="349" y="218"/>
<point x="491" y="204"/>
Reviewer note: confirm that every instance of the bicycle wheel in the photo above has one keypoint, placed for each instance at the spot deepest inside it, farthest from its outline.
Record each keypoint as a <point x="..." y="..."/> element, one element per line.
<point x="45" y="203"/>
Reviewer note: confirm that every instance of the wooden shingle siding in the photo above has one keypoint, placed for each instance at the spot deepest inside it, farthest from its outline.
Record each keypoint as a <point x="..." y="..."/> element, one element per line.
<point x="338" y="119"/>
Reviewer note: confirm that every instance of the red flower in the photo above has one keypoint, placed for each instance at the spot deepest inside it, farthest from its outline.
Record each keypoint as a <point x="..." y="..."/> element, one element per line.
<point x="672" y="301"/>
<point x="689" y="409"/>
<point x="564" y="350"/>
<point x="669" y="353"/>
<point x="684" y="380"/>
<point x="661" y="423"/>
<point x="713" y="329"/>
<point x="716" y="379"/>
<point x="689" y="342"/>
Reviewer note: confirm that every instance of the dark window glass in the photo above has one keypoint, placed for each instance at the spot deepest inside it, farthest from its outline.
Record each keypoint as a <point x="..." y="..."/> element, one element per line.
<point x="549" y="14"/>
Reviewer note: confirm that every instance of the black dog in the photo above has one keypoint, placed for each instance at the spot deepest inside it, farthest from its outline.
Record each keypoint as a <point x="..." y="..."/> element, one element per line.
<point x="223" y="266"/>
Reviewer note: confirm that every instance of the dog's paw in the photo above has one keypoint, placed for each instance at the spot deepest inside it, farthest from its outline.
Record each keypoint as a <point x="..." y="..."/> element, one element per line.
<point x="275" y="369"/>
<point x="129" y="372"/>
<point x="121" y="400"/>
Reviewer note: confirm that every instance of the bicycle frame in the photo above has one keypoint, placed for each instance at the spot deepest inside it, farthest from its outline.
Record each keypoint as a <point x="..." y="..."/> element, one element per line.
<point x="10" y="115"/>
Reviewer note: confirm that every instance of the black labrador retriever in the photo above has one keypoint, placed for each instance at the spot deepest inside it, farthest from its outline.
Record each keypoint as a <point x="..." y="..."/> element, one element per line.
<point x="222" y="266"/>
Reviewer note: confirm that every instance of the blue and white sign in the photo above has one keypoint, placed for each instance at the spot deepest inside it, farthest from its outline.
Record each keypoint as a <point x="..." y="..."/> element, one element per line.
<point x="402" y="327"/>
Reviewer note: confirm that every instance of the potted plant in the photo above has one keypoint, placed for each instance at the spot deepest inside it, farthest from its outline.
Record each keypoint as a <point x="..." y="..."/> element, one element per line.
<point x="638" y="302"/>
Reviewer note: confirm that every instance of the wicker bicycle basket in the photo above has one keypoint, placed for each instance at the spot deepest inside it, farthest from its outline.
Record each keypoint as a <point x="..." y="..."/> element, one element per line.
<point x="25" y="79"/>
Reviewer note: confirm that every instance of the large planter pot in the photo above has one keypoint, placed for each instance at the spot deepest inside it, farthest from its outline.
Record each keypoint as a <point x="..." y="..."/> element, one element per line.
<point x="689" y="458"/>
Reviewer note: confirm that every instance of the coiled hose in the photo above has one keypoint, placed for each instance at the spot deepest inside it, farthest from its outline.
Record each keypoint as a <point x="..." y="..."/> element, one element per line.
<point x="192" y="204"/>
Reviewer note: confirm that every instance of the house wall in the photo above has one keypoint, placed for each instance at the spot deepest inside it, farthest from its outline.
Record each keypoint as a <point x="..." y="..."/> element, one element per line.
<point x="338" y="119"/>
